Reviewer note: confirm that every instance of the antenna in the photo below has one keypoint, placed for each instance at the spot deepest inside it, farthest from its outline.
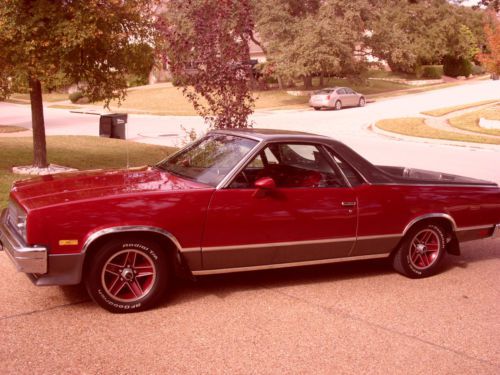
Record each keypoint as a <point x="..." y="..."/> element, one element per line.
<point x="126" y="147"/>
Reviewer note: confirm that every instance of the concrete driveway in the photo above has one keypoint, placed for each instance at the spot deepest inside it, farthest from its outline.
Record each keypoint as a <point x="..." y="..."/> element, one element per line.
<point x="344" y="318"/>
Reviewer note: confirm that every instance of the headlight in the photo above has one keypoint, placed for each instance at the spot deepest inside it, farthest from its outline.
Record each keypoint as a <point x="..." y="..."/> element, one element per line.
<point x="17" y="219"/>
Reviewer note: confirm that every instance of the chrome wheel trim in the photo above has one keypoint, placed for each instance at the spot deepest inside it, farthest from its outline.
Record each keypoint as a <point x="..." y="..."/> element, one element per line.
<point x="362" y="102"/>
<point x="338" y="105"/>
<point x="425" y="248"/>
<point x="128" y="275"/>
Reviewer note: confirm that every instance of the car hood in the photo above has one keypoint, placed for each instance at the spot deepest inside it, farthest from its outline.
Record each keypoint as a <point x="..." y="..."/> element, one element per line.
<point x="93" y="185"/>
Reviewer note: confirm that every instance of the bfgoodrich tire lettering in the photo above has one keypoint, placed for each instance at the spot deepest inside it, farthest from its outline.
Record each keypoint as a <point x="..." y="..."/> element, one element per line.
<point x="421" y="252"/>
<point x="127" y="275"/>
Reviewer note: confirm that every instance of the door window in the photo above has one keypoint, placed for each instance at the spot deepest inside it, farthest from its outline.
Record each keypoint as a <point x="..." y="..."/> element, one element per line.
<point x="290" y="165"/>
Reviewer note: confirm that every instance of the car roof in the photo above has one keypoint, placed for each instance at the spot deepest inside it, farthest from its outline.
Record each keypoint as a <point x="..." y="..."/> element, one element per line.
<point x="274" y="134"/>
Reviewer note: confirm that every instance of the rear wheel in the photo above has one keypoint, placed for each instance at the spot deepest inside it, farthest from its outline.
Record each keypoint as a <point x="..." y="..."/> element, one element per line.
<point x="362" y="102"/>
<point x="127" y="275"/>
<point x="338" y="105"/>
<point x="317" y="108"/>
<point x="421" y="252"/>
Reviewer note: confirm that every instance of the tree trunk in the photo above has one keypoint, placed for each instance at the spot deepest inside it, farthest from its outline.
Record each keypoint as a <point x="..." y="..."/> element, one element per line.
<point x="280" y="83"/>
<point x="39" y="145"/>
<point x="307" y="82"/>
<point x="321" y="80"/>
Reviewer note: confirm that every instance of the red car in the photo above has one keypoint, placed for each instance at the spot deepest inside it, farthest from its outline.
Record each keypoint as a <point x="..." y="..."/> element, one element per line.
<point x="238" y="201"/>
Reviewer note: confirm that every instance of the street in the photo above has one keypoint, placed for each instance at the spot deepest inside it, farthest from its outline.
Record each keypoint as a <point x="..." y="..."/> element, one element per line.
<point x="358" y="317"/>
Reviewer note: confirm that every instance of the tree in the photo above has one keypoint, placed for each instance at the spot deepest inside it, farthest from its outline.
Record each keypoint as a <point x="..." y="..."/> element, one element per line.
<point x="491" y="59"/>
<point x="411" y="33"/>
<point x="311" y="37"/>
<point x="90" y="42"/>
<point x="206" y="42"/>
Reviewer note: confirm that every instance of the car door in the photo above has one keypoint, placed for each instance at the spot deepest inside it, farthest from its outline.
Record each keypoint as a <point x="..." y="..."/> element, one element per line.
<point x="310" y="216"/>
<point x="352" y="97"/>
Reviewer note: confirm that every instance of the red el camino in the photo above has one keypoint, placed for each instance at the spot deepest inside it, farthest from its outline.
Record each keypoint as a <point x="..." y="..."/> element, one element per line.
<point x="238" y="201"/>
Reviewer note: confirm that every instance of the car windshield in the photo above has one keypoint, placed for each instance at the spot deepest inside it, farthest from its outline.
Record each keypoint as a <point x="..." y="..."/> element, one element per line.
<point x="210" y="159"/>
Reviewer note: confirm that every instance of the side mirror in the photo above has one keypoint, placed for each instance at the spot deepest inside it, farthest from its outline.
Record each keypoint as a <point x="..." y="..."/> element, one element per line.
<point x="265" y="183"/>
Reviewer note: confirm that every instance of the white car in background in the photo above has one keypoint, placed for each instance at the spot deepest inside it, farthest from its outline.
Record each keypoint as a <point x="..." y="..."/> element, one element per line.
<point x="336" y="97"/>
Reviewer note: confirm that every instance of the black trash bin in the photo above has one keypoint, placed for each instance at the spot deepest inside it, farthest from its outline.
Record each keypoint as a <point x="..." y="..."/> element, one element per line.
<point x="112" y="125"/>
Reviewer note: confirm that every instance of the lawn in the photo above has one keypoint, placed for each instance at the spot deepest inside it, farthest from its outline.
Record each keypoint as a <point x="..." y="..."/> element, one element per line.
<point x="470" y="121"/>
<point x="47" y="97"/>
<point x="170" y="101"/>
<point x="74" y="151"/>
<point x="11" y="129"/>
<point x="415" y="127"/>
<point x="444" y="111"/>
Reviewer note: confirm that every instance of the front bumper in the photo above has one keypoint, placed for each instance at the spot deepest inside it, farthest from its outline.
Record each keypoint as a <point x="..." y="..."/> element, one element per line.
<point x="26" y="258"/>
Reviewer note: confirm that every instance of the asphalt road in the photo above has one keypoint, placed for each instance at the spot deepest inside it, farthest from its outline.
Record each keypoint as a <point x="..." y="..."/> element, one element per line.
<point x="358" y="317"/>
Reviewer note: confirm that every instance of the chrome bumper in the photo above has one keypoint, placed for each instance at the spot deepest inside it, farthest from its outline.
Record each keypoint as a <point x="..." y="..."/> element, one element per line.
<point x="26" y="259"/>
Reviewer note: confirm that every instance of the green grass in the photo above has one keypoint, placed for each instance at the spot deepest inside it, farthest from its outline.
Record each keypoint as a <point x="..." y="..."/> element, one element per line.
<point x="64" y="106"/>
<point x="415" y="127"/>
<point x="470" y="121"/>
<point x="11" y="129"/>
<point x="74" y="151"/>
<point x="47" y="97"/>
<point x="444" y="111"/>
<point x="170" y="101"/>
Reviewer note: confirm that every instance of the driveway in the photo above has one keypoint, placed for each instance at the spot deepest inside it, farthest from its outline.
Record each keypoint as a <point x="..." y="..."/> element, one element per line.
<point x="358" y="317"/>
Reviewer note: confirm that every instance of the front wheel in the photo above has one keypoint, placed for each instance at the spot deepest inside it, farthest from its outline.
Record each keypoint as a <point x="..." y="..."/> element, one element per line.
<point x="421" y="251"/>
<point x="127" y="275"/>
<point x="317" y="108"/>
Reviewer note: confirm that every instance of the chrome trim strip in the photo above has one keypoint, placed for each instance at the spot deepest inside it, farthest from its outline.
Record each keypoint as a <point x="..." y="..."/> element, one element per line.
<point x="190" y="249"/>
<point x="462" y="229"/>
<point x="295" y="243"/>
<point x="129" y="228"/>
<point x="430" y="216"/>
<point x="277" y="244"/>
<point x="285" y="265"/>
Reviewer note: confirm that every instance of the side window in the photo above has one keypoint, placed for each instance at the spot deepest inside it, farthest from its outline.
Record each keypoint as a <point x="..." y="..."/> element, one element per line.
<point x="349" y="91"/>
<point x="351" y="175"/>
<point x="290" y="165"/>
<point x="341" y="91"/>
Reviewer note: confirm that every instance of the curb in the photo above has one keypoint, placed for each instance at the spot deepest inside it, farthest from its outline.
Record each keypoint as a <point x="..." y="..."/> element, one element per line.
<point x="442" y="142"/>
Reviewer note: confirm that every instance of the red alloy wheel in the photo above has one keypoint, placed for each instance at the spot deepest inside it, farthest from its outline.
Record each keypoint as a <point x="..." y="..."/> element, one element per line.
<point x="128" y="275"/>
<point x="425" y="249"/>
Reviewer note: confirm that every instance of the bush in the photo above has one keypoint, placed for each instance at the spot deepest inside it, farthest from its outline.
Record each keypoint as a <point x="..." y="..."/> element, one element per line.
<point x="75" y="96"/>
<point x="477" y="69"/>
<point x="429" y="71"/>
<point x="455" y="67"/>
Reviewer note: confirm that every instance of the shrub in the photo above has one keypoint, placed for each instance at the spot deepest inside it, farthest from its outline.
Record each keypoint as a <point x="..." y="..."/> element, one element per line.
<point x="477" y="69"/>
<point x="75" y="96"/>
<point x="455" y="67"/>
<point x="429" y="71"/>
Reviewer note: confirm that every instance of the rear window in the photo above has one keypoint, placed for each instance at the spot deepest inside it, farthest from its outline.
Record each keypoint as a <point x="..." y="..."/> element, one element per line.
<point x="323" y="92"/>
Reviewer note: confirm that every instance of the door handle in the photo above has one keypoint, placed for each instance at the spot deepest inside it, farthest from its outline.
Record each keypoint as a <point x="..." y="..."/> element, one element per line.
<point x="348" y="204"/>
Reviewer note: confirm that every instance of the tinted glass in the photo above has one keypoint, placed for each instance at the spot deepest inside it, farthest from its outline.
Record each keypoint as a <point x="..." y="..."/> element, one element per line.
<point x="290" y="166"/>
<point x="349" y="172"/>
<point x="210" y="159"/>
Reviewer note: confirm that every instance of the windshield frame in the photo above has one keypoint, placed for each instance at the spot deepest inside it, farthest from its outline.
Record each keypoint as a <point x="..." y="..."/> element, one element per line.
<point x="162" y="164"/>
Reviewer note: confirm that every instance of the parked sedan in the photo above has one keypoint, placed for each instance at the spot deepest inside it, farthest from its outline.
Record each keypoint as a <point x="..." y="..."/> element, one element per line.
<point x="336" y="97"/>
<point x="238" y="200"/>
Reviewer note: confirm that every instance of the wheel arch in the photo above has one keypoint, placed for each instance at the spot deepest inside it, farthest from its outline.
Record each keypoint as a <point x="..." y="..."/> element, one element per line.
<point x="447" y="221"/>
<point x="166" y="240"/>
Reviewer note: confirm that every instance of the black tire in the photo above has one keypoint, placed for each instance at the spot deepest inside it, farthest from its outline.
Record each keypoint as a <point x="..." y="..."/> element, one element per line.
<point x="421" y="252"/>
<point x="317" y="108"/>
<point x="128" y="275"/>
<point x="338" y="105"/>
<point x="362" y="102"/>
